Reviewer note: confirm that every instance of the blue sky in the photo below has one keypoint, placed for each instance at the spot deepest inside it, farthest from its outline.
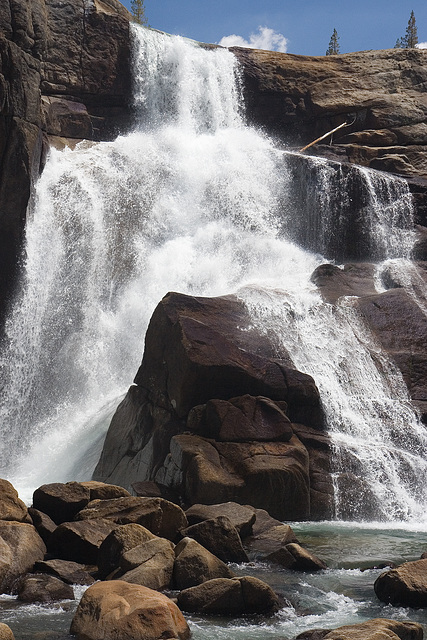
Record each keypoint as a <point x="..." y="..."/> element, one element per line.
<point x="306" y="25"/>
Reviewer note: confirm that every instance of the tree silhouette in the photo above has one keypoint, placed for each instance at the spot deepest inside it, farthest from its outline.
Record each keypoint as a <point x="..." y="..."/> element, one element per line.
<point x="410" y="39"/>
<point x="334" y="46"/>
<point x="138" y="11"/>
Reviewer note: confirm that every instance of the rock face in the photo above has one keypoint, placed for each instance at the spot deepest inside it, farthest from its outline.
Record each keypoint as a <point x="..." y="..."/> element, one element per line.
<point x="65" y="72"/>
<point x="300" y="98"/>
<point x="214" y="415"/>
<point x="394" y="317"/>
<point x="117" y="609"/>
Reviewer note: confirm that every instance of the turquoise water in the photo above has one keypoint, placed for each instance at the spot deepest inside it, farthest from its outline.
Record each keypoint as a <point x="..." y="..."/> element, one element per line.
<point x="342" y="594"/>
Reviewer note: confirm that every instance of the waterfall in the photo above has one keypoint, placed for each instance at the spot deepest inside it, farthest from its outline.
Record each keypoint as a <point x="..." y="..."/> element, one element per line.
<point x="195" y="201"/>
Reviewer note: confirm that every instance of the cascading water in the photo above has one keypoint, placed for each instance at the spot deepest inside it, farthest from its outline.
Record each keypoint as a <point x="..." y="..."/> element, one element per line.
<point x="195" y="201"/>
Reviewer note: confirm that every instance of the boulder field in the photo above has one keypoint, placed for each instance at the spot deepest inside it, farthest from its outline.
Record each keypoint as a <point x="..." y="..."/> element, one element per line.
<point x="152" y="545"/>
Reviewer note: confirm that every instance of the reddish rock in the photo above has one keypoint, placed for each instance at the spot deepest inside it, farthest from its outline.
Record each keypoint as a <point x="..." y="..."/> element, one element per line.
<point x="230" y="596"/>
<point x="220" y="537"/>
<point x="117" y="609"/>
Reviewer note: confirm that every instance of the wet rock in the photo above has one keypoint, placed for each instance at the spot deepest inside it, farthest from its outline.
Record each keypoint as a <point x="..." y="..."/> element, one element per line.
<point x="43" y="588"/>
<point x="220" y="537"/>
<point x="159" y="516"/>
<point x="117" y="609"/>
<point x="149" y="564"/>
<point x="293" y="556"/>
<point x="371" y="630"/>
<point x="405" y="586"/>
<point x="254" y="473"/>
<point x="11" y="507"/>
<point x="241" y="517"/>
<point x="213" y="354"/>
<point x="194" y="564"/>
<point x="80" y="541"/>
<point x="121" y="539"/>
<point x="232" y="596"/>
<point x="20" y="547"/>
<point x="61" y="502"/>
<point x="269" y="535"/>
<point x="66" y="570"/>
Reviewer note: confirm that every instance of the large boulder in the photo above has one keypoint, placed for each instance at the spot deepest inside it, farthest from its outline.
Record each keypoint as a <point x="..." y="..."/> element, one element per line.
<point x="66" y="570"/>
<point x="20" y="547"/>
<point x="117" y="609"/>
<point x="149" y="564"/>
<point x="161" y="517"/>
<point x="405" y="586"/>
<point x="61" y="501"/>
<point x="241" y="517"/>
<point x="80" y="541"/>
<point x="211" y="414"/>
<point x="194" y="564"/>
<point x="121" y="539"/>
<point x="6" y="632"/>
<point x="230" y="596"/>
<point x="376" y="629"/>
<point x="43" y="588"/>
<point x="220" y="537"/>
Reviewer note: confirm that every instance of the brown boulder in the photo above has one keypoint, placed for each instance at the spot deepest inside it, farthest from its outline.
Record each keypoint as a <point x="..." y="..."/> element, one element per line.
<point x="241" y="517"/>
<point x="150" y="564"/>
<point x="20" y="547"/>
<point x="293" y="556"/>
<point x="43" y="588"/>
<point x="6" y="632"/>
<point x="405" y="586"/>
<point x="11" y="507"/>
<point x="66" y="570"/>
<point x="377" y="629"/>
<point x="118" y="609"/>
<point x="212" y="352"/>
<point x="269" y="535"/>
<point x="80" y="541"/>
<point x="61" y="502"/>
<point x="254" y="473"/>
<point x="161" y="517"/>
<point x="194" y="564"/>
<point x="230" y="596"/>
<point x="220" y="537"/>
<point x="121" y="539"/>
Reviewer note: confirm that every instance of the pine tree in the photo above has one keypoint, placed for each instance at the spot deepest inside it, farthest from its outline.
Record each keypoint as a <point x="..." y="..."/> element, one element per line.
<point x="410" y="39"/>
<point x="411" y="35"/>
<point x="334" y="47"/>
<point x="138" y="11"/>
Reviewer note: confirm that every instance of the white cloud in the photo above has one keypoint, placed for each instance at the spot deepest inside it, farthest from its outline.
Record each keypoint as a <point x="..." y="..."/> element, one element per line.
<point x="421" y="45"/>
<point x="265" y="38"/>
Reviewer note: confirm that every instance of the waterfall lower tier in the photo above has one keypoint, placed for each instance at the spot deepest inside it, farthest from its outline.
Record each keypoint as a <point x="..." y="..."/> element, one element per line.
<point x="196" y="202"/>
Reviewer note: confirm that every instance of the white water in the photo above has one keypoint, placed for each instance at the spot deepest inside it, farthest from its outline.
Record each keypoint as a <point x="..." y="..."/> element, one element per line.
<point x="191" y="201"/>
